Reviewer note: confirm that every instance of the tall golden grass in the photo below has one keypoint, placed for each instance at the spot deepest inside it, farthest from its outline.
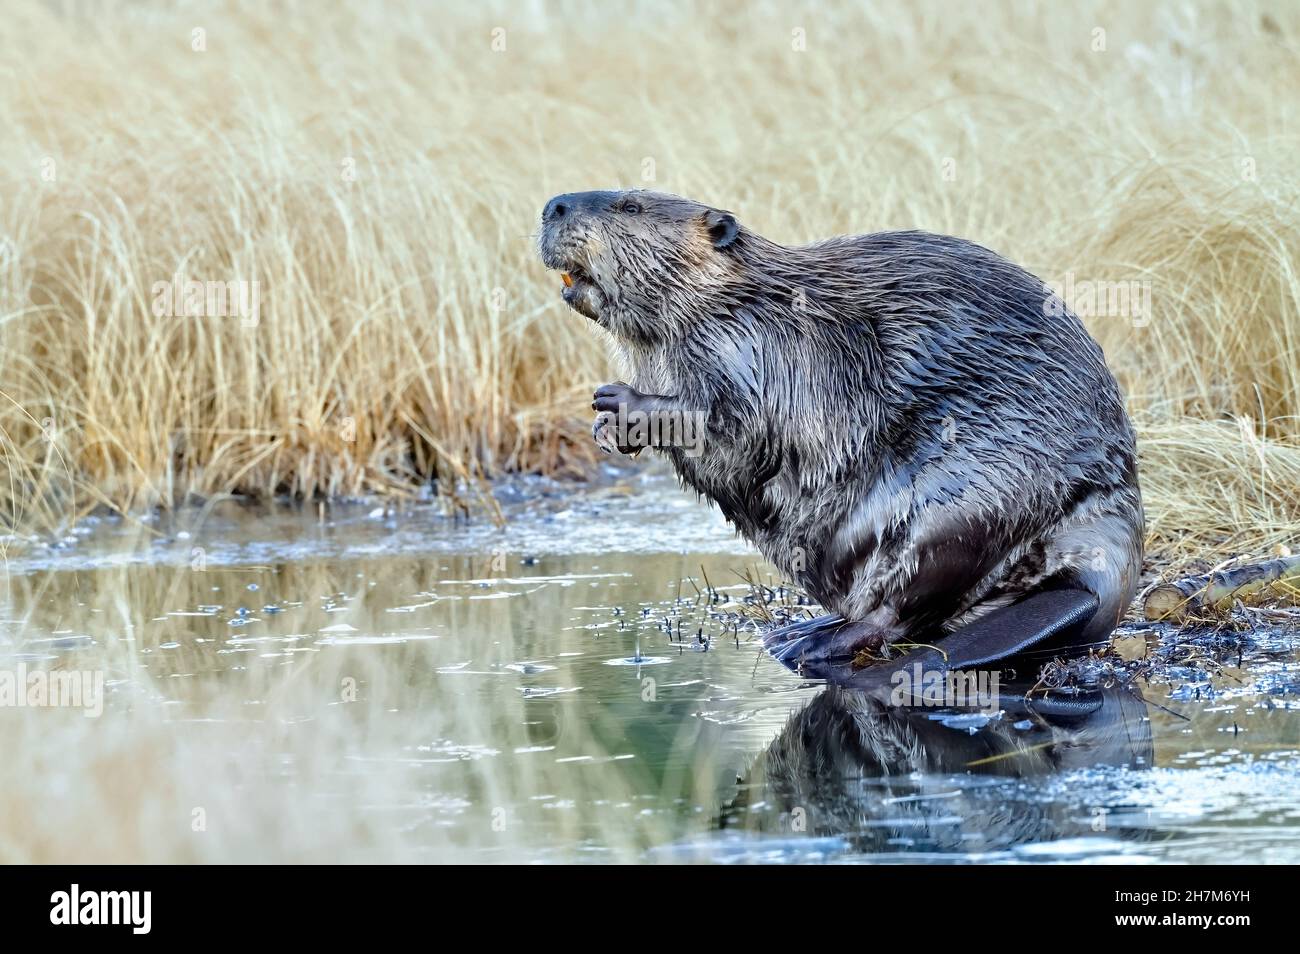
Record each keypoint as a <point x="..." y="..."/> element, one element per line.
<point x="378" y="170"/>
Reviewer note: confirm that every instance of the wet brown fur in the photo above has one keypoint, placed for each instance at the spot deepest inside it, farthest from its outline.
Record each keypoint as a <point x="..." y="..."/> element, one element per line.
<point x="911" y="427"/>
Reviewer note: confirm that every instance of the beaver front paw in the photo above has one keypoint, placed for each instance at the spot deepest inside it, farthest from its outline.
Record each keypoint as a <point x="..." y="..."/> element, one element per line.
<point x="614" y="405"/>
<point x="618" y="398"/>
<point x="605" y="431"/>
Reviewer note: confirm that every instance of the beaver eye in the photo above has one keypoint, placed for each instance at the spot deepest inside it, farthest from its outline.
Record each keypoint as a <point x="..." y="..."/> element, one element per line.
<point x="630" y="206"/>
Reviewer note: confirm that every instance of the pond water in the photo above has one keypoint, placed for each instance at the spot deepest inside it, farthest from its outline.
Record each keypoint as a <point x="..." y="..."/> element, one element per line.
<point x="290" y="683"/>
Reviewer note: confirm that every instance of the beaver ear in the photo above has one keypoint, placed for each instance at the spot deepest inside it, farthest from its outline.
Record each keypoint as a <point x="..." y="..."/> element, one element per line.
<point x="722" y="227"/>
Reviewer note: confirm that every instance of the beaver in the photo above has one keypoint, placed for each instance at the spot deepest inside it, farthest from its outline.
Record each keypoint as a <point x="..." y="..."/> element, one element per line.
<point x="912" y="428"/>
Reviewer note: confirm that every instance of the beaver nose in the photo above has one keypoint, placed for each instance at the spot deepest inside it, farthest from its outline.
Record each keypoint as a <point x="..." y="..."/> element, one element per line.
<point x="577" y="203"/>
<point x="557" y="208"/>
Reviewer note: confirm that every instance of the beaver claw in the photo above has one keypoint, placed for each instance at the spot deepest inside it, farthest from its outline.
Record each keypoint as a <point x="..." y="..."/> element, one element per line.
<point x="612" y="404"/>
<point x="603" y="432"/>
<point x="821" y="640"/>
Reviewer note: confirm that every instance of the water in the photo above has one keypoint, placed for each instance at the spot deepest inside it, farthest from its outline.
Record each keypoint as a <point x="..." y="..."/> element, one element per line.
<point x="289" y="683"/>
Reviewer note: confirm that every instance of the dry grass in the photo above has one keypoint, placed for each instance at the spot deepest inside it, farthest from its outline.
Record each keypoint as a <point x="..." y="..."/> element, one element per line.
<point x="406" y="330"/>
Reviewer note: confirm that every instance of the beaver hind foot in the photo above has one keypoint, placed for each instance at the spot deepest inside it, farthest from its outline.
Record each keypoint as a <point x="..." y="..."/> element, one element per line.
<point x="822" y="639"/>
<point x="1045" y="620"/>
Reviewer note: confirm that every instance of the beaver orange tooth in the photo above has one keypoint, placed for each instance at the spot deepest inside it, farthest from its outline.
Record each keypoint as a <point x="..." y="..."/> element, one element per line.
<point x="567" y="279"/>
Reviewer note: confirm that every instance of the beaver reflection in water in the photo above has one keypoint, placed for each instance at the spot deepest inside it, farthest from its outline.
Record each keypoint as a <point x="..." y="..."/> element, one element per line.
<point x="890" y="778"/>
<point x="910" y="427"/>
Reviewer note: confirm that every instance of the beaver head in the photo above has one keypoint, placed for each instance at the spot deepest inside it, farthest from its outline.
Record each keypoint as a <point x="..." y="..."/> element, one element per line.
<point x="638" y="263"/>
